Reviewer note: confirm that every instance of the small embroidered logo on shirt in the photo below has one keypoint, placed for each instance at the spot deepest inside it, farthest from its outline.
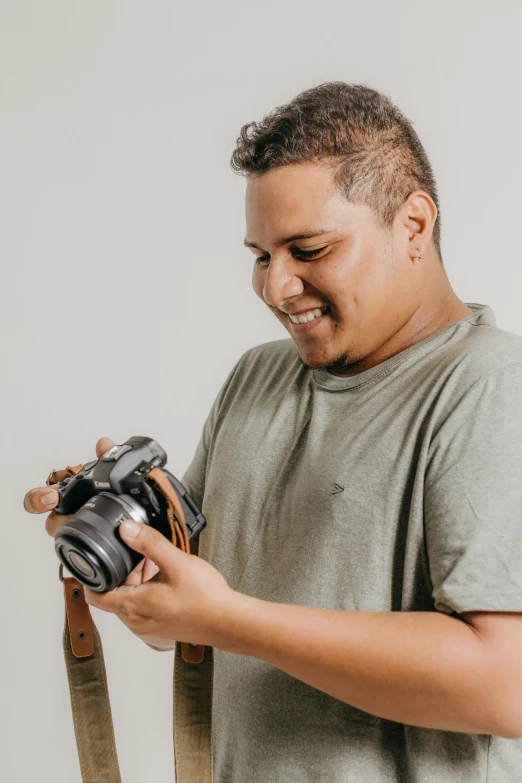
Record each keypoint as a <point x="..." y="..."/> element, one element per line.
<point x="337" y="489"/>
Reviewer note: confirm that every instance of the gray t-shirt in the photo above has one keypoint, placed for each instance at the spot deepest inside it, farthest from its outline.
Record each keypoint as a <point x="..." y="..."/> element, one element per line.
<point x="398" y="489"/>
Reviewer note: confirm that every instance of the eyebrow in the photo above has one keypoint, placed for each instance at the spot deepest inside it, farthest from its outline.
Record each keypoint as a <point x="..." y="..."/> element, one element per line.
<point x="294" y="237"/>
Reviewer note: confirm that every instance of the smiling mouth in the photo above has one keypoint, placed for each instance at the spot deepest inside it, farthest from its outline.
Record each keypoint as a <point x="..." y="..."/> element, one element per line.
<point x="308" y="315"/>
<point x="306" y="321"/>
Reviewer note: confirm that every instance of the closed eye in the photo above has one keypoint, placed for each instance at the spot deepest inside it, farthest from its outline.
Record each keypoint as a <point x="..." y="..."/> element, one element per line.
<point x="301" y="255"/>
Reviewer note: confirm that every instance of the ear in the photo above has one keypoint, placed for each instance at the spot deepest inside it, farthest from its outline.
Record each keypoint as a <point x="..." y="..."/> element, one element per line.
<point x="418" y="215"/>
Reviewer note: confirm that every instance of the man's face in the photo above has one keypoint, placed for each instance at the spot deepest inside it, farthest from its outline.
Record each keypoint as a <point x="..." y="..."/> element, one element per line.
<point x="358" y="274"/>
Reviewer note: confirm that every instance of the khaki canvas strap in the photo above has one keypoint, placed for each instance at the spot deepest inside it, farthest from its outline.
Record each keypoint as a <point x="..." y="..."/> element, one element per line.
<point x="90" y="703"/>
<point x="192" y="686"/>
<point x="192" y="719"/>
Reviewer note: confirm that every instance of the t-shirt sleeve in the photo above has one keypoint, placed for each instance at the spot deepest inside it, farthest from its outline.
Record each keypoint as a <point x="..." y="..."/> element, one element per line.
<point x="473" y="498"/>
<point x="194" y="477"/>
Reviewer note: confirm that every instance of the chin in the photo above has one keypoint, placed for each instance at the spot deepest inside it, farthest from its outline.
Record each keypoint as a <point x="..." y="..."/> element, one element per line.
<point x="316" y="360"/>
<point x="336" y="363"/>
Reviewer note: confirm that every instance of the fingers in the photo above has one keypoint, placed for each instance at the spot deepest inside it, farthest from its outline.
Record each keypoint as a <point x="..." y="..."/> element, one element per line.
<point x="150" y="570"/>
<point x="55" y="521"/>
<point x="135" y="576"/>
<point x="103" y="445"/>
<point x="144" y="571"/>
<point x="41" y="499"/>
<point x="113" y="601"/>
<point x="150" y="543"/>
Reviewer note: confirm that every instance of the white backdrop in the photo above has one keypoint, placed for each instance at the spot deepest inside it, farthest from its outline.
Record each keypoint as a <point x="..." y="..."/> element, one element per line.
<point x="126" y="291"/>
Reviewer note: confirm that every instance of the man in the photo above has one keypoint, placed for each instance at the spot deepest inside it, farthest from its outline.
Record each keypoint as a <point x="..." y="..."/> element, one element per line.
<point x="360" y="576"/>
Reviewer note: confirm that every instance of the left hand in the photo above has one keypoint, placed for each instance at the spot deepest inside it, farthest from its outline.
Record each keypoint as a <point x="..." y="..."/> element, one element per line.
<point x="185" y="601"/>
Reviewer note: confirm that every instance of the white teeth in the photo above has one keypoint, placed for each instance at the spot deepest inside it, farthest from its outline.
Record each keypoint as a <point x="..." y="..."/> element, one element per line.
<point x="305" y="317"/>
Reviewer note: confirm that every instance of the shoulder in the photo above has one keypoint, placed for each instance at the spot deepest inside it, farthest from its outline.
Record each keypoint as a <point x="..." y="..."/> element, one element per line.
<point x="269" y="368"/>
<point x="269" y="359"/>
<point x="477" y="373"/>
<point x="482" y="353"/>
<point x="491" y="347"/>
<point x="274" y="351"/>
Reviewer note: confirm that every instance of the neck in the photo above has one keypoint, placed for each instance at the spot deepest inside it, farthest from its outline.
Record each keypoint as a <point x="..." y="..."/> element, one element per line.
<point x="439" y="307"/>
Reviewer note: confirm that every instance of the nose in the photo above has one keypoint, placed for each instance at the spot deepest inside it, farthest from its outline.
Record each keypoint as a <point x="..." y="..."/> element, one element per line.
<point x="281" y="281"/>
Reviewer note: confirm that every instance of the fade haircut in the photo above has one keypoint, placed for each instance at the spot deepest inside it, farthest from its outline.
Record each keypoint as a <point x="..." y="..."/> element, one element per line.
<point x="375" y="154"/>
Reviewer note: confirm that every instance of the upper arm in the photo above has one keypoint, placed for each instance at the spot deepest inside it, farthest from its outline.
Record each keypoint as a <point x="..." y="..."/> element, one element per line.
<point x="501" y="635"/>
<point x="473" y="498"/>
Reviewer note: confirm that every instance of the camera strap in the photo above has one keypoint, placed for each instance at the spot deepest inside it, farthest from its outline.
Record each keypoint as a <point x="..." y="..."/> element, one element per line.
<point x="83" y="652"/>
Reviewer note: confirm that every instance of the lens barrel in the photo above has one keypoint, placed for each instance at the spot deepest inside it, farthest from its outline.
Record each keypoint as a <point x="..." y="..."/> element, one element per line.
<point x="90" y="546"/>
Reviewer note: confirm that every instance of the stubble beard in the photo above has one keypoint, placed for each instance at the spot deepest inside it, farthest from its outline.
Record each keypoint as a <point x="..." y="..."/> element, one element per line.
<point x="343" y="364"/>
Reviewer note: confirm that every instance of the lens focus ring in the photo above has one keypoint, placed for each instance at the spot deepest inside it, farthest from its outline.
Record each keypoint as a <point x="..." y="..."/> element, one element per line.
<point x="90" y="546"/>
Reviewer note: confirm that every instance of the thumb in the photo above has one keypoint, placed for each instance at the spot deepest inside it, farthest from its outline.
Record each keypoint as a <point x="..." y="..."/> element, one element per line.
<point x="103" y="445"/>
<point x="149" y="542"/>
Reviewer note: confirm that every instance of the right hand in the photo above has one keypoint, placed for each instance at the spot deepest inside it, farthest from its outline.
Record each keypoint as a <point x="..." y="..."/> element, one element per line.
<point x="42" y="500"/>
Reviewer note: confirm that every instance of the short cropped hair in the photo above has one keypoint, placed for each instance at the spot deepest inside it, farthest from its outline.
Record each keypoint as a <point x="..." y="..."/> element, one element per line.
<point x="375" y="153"/>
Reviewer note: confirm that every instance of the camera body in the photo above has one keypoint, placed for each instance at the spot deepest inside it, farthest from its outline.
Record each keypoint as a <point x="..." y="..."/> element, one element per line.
<point x="103" y="494"/>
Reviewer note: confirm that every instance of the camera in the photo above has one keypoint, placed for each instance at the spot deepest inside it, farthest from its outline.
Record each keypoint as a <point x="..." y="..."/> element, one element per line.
<point x="102" y="495"/>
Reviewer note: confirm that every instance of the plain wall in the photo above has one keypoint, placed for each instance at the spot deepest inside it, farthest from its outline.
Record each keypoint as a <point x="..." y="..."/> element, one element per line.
<point x="126" y="294"/>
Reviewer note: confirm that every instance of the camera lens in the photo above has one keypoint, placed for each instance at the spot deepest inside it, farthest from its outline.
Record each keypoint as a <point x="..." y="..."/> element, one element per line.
<point x="81" y="565"/>
<point x="90" y="546"/>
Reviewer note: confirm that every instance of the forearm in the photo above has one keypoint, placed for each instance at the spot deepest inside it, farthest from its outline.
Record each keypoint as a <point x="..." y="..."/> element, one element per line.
<point x="419" y="668"/>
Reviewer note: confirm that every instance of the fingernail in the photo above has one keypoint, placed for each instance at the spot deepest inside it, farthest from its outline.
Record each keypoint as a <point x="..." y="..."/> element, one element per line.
<point x="130" y="529"/>
<point x="50" y="499"/>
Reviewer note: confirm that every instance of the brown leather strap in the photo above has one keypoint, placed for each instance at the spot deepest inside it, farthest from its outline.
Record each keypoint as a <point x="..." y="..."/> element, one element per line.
<point x="78" y="618"/>
<point x="175" y="510"/>
<point x="59" y="475"/>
